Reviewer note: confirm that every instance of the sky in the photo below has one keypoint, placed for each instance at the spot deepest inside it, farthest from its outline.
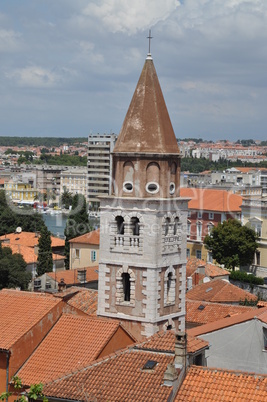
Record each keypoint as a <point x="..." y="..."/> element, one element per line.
<point x="69" y="68"/>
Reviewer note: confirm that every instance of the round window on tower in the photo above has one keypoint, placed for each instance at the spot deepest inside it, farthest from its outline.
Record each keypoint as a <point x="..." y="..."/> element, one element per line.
<point x="152" y="187"/>
<point x="172" y="188"/>
<point x="128" y="186"/>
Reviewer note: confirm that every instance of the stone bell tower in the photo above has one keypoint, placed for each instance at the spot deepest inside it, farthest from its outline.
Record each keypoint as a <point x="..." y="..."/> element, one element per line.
<point x="142" y="278"/>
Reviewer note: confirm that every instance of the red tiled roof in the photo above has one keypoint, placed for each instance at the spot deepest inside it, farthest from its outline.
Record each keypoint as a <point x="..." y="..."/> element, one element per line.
<point x="88" y="238"/>
<point x="165" y="341"/>
<point x="204" y="384"/>
<point x="82" y="299"/>
<point x="260" y="314"/>
<point x="200" y="312"/>
<point x="30" y="239"/>
<point x="28" y="253"/>
<point x="70" y="276"/>
<point x="19" y="312"/>
<point x="118" y="377"/>
<point x="219" y="291"/>
<point x="73" y="342"/>
<point x="212" y="200"/>
<point x="211" y="270"/>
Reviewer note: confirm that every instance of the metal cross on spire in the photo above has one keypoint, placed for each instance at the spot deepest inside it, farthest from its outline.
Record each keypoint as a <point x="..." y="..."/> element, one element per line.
<point x="149" y="37"/>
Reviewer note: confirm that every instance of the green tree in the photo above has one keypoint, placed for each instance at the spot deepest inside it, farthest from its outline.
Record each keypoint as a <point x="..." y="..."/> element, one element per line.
<point x="77" y="223"/>
<point x="66" y="198"/>
<point x="232" y="244"/>
<point x="34" y="392"/>
<point x="45" y="259"/>
<point x="10" y="219"/>
<point x="13" y="270"/>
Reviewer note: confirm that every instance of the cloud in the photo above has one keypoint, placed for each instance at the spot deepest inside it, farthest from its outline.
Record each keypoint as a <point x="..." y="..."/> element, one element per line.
<point x="130" y="16"/>
<point x="9" y="40"/>
<point x="34" y="76"/>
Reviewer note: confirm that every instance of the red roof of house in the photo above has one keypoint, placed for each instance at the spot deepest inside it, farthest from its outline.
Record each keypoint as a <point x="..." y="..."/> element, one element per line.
<point x="88" y="238"/>
<point x="164" y="341"/>
<point x="212" y="200"/>
<point x="28" y="253"/>
<point x="200" y="312"/>
<point x="260" y="314"/>
<point x="30" y="239"/>
<point x="70" y="277"/>
<point x="73" y="342"/>
<point x="19" y="312"/>
<point x="220" y="291"/>
<point x="117" y="377"/>
<point x="211" y="270"/>
<point x="83" y="299"/>
<point x="204" y="384"/>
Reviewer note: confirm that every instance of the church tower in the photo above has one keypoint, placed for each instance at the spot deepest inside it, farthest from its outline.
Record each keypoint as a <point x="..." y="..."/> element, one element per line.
<point x="142" y="269"/>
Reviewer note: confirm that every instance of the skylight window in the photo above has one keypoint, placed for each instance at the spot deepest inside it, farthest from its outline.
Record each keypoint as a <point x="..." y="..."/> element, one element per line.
<point x="201" y="307"/>
<point x="150" y="364"/>
<point x="208" y="290"/>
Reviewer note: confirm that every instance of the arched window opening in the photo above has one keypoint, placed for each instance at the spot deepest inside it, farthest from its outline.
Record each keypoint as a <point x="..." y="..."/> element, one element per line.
<point x="167" y="225"/>
<point x="126" y="286"/>
<point x="176" y="226"/>
<point x="120" y="225"/>
<point x="152" y="178"/>
<point x="169" y="282"/>
<point x="173" y="168"/>
<point x="135" y="226"/>
<point x="128" y="175"/>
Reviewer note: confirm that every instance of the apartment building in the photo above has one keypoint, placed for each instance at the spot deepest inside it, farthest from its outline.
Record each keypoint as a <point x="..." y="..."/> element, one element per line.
<point x="254" y="214"/>
<point x="99" y="181"/>
<point x="206" y="209"/>
<point x="74" y="180"/>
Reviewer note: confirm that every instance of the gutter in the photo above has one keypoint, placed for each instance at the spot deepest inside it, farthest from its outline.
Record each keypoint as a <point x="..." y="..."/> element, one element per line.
<point x="7" y="371"/>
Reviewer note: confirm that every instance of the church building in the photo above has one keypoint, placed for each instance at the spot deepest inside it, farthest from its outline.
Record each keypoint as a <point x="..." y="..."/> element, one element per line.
<point x="142" y="268"/>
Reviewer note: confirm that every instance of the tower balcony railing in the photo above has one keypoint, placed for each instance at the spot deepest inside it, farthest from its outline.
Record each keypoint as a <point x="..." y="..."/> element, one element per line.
<point x="126" y="243"/>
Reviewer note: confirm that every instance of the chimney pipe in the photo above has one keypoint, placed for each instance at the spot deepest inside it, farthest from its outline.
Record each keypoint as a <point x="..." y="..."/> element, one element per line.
<point x="180" y="350"/>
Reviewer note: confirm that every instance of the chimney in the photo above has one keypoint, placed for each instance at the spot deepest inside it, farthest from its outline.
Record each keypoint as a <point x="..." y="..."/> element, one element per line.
<point x="180" y="350"/>
<point x="196" y="278"/>
<point x="189" y="283"/>
<point x="201" y="269"/>
<point x="170" y="375"/>
<point x="62" y="285"/>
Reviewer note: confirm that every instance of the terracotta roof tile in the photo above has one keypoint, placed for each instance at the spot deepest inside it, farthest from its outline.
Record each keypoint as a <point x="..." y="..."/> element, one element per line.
<point x="211" y="270"/>
<point x="82" y="299"/>
<point x="30" y="239"/>
<point x="219" y="291"/>
<point x="200" y="312"/>
<point x="260" y="314"/>
<point x="88" y="238"/>
<point x="203" y="384"/>
<point x="165" y="341"/>
<point x="119" y="377"/>
<point x="70" y="276"/>
<point x="28" y="253"/>
<point x="17" y="304"/>
<point x="212" y="200"/>
<point x="73" y="342"/>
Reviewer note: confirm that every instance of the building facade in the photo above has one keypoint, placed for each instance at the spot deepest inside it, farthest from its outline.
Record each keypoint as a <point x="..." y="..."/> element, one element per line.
<point x="99" y="178"/>
<point x="142" y="242"/>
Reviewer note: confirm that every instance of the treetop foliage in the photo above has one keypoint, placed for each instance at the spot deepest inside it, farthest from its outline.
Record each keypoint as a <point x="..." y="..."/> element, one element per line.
<point x="40" y="141"/>
<point x="13" y="270"/>
<point x="232" y="244"/>
<point x="9" y="219"/>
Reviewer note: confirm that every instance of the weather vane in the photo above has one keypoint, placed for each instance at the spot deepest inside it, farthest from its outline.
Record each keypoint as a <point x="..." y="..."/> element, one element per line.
<point x="149" y="37"/>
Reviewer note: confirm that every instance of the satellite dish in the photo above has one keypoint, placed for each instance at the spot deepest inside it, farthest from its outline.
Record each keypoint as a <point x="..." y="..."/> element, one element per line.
<point x="19" y="229"/>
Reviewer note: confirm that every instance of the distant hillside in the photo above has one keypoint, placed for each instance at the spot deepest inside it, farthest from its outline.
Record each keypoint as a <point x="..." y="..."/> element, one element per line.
<point x="40" y="141"/>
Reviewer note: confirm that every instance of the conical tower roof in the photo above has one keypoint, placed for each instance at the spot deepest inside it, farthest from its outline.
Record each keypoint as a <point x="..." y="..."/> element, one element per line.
<point x="147" y="126"/>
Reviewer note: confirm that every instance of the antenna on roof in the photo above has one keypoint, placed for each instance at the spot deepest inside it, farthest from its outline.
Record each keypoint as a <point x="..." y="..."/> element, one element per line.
<point x="19" y="229"/>
<point x="149" y="37"/>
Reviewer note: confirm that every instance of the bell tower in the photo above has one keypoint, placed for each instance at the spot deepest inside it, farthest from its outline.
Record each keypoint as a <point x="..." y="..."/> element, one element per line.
<point x="142" y="278"/>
